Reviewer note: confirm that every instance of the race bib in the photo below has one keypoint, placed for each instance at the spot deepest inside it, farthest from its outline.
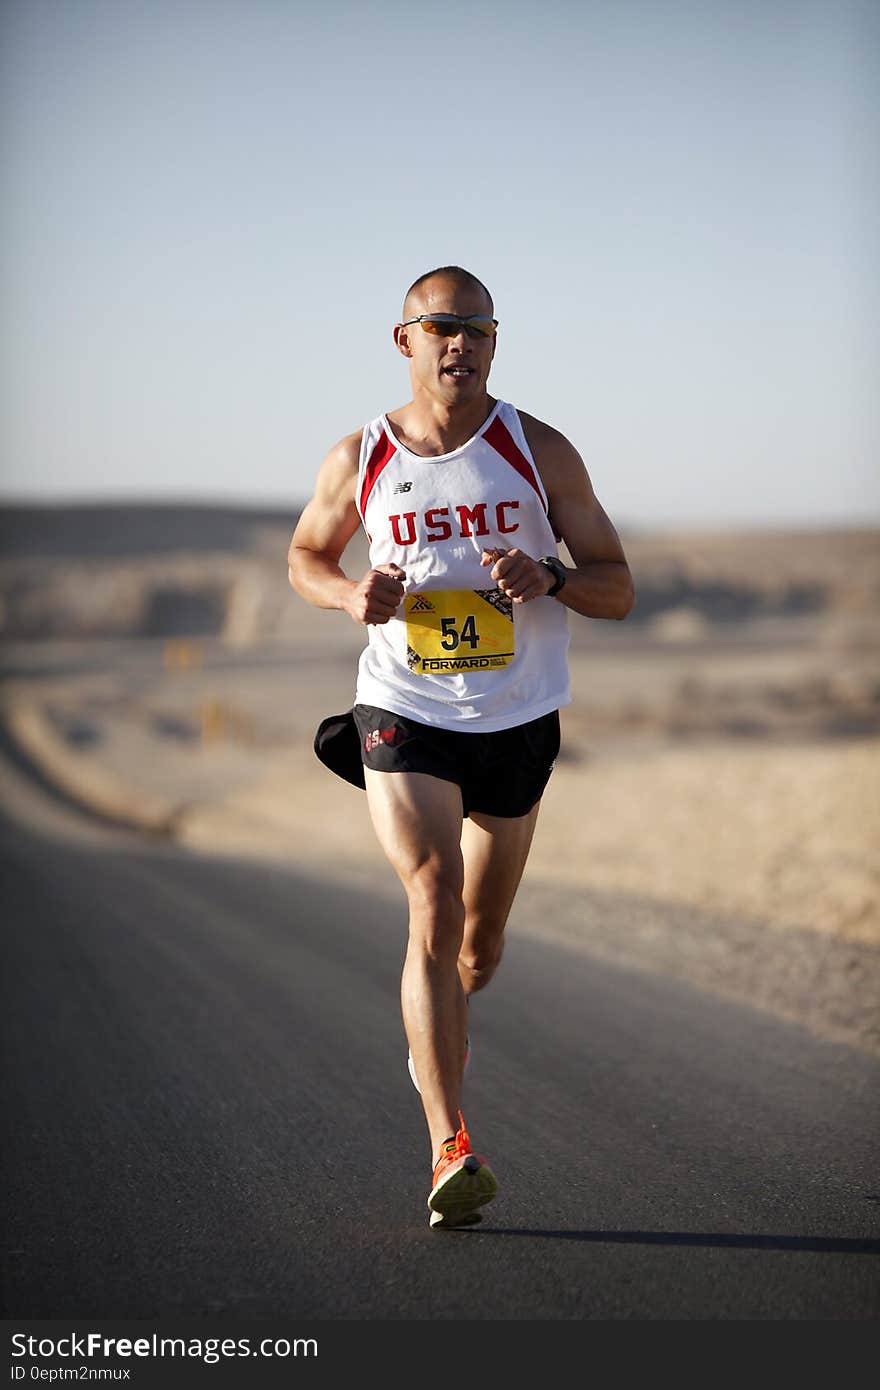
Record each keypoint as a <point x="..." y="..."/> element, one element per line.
<point x="450" y="630"/>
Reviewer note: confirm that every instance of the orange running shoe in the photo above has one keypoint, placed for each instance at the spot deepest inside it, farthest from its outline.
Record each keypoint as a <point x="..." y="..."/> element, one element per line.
<point x="462" y="1182"/>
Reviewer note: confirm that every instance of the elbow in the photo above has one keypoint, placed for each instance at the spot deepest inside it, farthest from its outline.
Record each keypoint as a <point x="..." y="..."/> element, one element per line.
<point x="627" y="600"/>
<point x="292" y="574"/>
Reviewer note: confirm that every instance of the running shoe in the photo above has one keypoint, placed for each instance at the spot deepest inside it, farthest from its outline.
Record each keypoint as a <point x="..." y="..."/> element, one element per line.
<point x="412" y="1070"/>
<point x="462" y="1182"/>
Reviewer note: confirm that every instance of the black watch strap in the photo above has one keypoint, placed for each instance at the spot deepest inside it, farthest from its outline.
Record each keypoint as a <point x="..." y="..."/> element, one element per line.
<point x="558" y="570"/>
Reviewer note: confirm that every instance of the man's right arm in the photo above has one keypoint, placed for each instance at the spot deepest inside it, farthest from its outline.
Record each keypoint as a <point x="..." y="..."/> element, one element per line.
<point x="325" y="528"/>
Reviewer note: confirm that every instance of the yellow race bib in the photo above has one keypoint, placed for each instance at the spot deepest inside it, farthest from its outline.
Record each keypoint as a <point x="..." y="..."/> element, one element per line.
<point x="452" y="630"/>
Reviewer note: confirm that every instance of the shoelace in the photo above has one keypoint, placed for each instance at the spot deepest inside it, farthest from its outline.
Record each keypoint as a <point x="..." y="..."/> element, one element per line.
<point x="460" y="1145"/>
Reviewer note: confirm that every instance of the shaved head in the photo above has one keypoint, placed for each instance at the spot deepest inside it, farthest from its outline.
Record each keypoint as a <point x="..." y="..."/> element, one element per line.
<point x="415" y="296"/>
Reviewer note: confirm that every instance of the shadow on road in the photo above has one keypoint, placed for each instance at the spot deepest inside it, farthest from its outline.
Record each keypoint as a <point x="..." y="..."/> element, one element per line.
<point x="826" y="1245"/>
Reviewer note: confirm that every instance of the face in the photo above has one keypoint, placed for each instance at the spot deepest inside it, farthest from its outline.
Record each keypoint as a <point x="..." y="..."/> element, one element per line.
<point x="453" y="370"/>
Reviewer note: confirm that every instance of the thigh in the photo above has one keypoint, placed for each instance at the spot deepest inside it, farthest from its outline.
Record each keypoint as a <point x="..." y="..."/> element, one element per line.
<point x="494" y="850"/>
<point x="418" y="822"/>
<point x="513" y="769"/>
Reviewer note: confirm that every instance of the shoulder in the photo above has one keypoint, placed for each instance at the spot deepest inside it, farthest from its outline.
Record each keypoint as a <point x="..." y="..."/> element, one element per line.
<point x="339" y="467"/>
<point x="346" y="451"/>
<point x="554" y="454"/>
<point x="344" y="456"/>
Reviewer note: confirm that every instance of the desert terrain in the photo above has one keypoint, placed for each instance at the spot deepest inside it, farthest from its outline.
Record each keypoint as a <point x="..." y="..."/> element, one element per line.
<point x="715" y="812"/>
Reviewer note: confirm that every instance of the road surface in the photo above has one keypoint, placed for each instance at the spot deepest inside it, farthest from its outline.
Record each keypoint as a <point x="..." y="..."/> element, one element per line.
<point x="208" y="1113"/>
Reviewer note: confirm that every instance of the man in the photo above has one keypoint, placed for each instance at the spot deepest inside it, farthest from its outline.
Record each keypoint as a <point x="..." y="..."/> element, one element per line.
<point x="455" y="726"/>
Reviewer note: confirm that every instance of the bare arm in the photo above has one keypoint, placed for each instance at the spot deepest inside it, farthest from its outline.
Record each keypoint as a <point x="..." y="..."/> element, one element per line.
<point x="600" y="585"/>
<point x="327" y="524"/>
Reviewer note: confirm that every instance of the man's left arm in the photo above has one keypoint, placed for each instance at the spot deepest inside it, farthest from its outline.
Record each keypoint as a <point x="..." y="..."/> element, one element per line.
<point x="600" y="585"/>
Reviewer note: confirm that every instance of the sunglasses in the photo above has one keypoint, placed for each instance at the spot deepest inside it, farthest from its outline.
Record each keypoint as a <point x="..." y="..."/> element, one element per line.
<point x="450" y="325"/>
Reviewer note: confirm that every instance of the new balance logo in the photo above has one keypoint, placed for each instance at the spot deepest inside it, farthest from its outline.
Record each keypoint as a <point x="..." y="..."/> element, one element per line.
<point x="402" y="487"/>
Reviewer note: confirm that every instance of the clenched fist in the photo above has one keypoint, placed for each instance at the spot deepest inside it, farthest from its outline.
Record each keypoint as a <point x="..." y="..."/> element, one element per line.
<point x="517" y="574"/>
<point x="377" y="597"/>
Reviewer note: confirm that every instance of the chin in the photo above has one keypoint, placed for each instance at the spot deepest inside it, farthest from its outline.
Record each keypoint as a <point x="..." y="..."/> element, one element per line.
<point x="463" y="390"/>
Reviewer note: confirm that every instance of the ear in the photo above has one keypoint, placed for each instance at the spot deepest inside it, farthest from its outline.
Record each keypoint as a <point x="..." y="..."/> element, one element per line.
<point x="401" y="340"/>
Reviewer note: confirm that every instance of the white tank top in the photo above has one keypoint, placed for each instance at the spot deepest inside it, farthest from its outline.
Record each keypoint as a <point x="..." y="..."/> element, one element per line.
<point x="457" y="653"/>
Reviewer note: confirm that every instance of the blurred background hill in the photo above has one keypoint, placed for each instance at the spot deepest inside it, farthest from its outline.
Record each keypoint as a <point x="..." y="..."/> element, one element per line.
<point x="111" y="570"/>
<point x="70" y="573"/>
<point x="720" y="761"/>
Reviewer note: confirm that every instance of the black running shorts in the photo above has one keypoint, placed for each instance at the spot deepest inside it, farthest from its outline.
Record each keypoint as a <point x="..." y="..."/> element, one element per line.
<point x="501" y="774"/>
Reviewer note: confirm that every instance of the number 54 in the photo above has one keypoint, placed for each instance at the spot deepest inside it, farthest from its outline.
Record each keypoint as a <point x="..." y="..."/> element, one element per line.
<point x="451" y="638"/>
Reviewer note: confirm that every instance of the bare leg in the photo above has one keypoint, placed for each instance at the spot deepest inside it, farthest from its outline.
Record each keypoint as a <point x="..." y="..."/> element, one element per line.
<point x="418" y="821"/>
<point x="495" y="850"/>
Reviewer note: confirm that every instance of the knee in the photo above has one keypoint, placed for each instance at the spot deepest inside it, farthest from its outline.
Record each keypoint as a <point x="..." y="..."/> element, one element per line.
<point x="478" y="962"/>
<point x="436" y="910"/>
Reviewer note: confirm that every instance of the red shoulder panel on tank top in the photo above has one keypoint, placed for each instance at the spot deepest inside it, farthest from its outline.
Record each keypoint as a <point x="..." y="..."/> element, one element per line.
<point x="383" y="452"/>
<point x="503" y="442"/>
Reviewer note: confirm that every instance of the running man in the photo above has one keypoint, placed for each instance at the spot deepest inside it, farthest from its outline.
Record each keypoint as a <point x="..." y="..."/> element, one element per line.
<point x="455" y="725"/>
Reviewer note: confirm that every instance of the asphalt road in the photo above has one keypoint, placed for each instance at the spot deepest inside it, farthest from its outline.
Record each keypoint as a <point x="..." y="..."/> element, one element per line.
<point x="207" y="1113"/>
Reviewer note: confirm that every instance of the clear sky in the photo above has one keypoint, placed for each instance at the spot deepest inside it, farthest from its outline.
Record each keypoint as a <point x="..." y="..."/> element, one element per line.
<point x="212" y="209"/>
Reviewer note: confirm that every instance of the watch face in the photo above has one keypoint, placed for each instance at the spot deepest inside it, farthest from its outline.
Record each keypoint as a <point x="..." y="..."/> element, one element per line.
<point x="557" y="569"/>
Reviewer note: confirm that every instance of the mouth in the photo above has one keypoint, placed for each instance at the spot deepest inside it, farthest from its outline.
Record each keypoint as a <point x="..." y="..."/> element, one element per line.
<point x="458" y="373"/>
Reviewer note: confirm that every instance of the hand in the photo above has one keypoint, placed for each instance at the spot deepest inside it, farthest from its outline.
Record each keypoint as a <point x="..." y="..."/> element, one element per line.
<point x="377" y="597"/>
<point x="518" y="575"/>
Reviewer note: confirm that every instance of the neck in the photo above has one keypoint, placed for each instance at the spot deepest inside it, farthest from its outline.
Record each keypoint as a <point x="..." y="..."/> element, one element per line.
<point x="431" y="426"/>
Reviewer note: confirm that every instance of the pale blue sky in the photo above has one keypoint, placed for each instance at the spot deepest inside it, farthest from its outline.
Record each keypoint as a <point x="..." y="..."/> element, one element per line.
<point x="213" y="207"/>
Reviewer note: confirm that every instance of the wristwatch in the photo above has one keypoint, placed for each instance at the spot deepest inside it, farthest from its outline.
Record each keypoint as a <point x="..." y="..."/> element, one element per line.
<point x="558" y="570"/>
